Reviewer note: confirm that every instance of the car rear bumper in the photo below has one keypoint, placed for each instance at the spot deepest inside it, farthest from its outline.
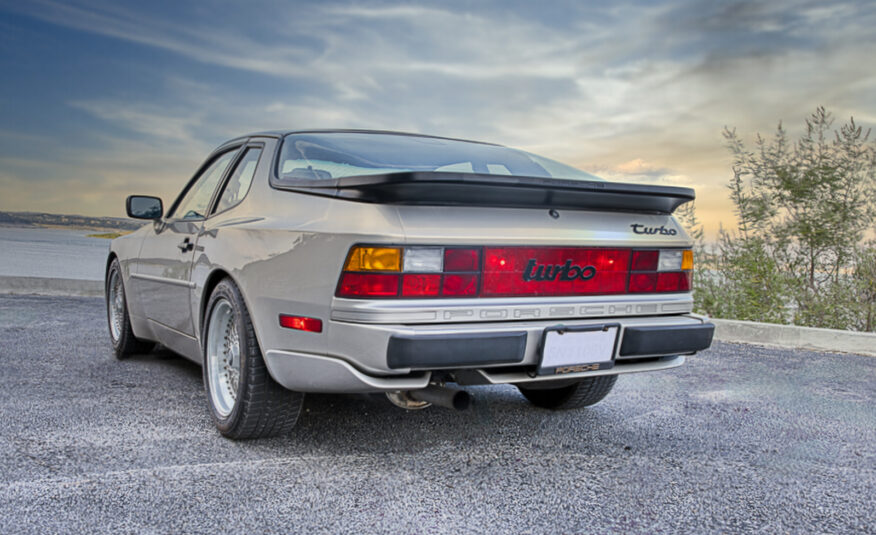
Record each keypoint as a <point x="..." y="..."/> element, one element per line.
<point x="374" y="358"/>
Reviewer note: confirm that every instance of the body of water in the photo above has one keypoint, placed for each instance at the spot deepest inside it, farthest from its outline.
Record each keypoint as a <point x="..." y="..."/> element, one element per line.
<point x="56" y="253"/>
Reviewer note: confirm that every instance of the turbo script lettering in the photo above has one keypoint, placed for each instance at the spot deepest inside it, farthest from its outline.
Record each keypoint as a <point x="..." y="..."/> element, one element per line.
<point x="564" y="272"/>
<point x="638" y="228"/>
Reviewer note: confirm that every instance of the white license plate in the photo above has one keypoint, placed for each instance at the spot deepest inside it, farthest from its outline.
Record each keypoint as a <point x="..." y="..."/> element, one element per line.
<point x="572" y="350"/>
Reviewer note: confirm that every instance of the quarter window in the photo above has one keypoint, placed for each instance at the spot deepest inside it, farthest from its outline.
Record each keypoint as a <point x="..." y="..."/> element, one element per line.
<point x="196" y="200"/>
<point x="238" y="185"/>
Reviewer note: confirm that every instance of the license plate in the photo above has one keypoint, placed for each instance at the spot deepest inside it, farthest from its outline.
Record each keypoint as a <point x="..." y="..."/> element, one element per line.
<point x="578" y="349"/>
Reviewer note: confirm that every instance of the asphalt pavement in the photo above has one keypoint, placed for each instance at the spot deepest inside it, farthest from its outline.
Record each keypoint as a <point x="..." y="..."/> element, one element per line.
<point x="739" y="439"/>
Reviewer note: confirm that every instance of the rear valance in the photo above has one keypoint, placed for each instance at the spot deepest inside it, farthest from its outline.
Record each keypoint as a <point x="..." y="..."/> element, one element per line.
<point x="466" y="189"/>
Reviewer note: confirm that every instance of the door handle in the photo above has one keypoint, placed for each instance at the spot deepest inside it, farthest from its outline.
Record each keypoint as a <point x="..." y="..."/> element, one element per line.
<point x="186" y="245"/>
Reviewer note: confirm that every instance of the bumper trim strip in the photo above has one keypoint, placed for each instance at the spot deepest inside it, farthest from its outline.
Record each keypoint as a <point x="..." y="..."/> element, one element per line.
<point x="666" y="339"/>
<point x="447" y="351"/>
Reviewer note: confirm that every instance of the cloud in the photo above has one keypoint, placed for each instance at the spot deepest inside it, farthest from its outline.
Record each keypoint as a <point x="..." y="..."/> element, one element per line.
<point x="641" y="167"/>
<point x="630" y="90"/>
<point x="148" y="120"/>
<point x="639" y="170"/>
<point x="330" y="40"/>
<point x="205" y="43"/>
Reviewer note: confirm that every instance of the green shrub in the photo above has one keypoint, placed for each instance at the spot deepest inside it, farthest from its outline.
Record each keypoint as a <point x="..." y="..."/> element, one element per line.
<point x="803" y="209"/>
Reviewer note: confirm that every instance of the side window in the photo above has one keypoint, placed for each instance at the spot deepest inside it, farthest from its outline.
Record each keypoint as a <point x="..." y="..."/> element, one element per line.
<point x="497" y="169"/>
<point x="196" y="201"/>
<point x="238" y="185"/>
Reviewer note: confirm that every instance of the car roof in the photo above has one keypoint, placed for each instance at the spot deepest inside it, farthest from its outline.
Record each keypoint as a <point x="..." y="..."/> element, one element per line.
<point x="283" y="133"/>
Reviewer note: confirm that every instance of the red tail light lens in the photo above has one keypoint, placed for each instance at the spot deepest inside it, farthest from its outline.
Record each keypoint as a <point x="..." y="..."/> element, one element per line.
<point x="425" y="285"/>
<point x="368" y="285"/>
<point x="462" y="259"/>
<point x="678" y="281"/>
<point x="643" y="282"/>
<point x="433" y="271"/>
<point x="460" y="285"/>
<point x="645" y="260"/>
<point x="686" y="283"/>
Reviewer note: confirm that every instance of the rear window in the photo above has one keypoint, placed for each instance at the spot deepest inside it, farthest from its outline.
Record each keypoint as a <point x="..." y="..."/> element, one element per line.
<point x="324" y="156"/>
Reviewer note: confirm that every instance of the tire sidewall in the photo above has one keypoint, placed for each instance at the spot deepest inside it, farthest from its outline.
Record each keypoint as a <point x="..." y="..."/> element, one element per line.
<point x="226" y="290"/>
<point x="117" y="344"/>
<point x="550" y="398"/>
<point x="579" y="394"/>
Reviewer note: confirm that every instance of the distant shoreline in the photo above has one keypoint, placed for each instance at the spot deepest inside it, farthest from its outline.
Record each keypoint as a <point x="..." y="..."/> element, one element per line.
<point x="89" y="232"/>
<point x="64" y="221"/>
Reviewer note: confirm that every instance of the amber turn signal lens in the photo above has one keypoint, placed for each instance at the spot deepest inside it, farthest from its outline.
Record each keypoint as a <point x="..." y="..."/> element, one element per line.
<point x="687" y="260"/>
<point x="374" y="259"/>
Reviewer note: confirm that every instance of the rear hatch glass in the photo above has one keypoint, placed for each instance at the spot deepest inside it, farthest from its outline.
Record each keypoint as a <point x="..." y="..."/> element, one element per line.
<point x="391" y="168"/>
<point x="330" y="155"/>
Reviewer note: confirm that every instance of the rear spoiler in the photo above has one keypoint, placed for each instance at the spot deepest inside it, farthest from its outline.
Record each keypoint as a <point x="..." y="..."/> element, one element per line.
<point x="431" y="188"/>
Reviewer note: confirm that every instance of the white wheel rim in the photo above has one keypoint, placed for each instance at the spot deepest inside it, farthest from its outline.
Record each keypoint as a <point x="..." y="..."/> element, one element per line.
<point x="116" y="304"/>
<point x="223" y="357"/>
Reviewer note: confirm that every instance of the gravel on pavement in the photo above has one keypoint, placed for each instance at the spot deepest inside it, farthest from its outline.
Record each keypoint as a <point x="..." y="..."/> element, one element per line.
<point x="739" y="439"/>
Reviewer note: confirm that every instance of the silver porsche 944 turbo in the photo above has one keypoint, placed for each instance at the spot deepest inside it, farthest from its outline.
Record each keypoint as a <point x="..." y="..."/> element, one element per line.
<point x="359" y="261"/>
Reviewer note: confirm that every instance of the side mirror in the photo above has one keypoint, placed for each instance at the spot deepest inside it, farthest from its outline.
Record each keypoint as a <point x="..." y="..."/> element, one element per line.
<point x="144" y="207"/>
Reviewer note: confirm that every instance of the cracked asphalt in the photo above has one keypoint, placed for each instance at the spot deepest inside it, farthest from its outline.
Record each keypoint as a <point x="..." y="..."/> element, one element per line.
<point x="739" y="439"/>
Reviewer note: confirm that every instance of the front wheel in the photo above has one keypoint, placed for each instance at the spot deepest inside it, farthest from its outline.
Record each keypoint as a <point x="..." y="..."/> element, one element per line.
<point x="580" y="394"/>
<point x="244" y="399"/>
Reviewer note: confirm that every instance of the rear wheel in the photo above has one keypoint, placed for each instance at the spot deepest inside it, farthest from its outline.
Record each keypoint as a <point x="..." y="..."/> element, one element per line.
<point x="122" y="336"/>
<point x="244" y="399"/>
<point x="581" y="394"/>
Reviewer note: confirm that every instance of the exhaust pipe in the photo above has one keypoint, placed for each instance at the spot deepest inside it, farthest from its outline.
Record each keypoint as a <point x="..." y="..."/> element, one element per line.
<point x="442" y="396"/>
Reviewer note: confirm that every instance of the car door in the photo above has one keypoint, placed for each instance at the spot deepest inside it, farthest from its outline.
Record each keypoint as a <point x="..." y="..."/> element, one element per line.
<point x="163" y="273"/>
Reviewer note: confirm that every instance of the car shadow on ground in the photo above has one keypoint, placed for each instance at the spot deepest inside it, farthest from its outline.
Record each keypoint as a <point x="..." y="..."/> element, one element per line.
<point x="360" y="423"/>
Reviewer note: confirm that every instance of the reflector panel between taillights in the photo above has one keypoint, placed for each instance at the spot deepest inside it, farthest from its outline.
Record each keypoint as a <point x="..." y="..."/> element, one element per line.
<point x="517" y="271"/>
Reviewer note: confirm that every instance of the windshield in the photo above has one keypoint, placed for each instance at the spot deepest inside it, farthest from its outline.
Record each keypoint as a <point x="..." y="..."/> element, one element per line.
<point x="323" y="156"/>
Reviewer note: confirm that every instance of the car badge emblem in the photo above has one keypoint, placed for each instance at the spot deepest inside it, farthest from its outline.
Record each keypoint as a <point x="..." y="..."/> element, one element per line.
<point x="563" y="272"/>
<point x="639" y="228"/>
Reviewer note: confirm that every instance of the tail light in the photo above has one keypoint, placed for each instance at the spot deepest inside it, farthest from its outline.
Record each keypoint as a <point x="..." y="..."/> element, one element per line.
<point x="411" y="272"/>
<point x="665" y="270"/>
<point x="434" y="272"/>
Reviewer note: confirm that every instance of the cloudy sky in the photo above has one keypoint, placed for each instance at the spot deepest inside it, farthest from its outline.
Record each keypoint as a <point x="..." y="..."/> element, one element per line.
<point x="103" y="99"/>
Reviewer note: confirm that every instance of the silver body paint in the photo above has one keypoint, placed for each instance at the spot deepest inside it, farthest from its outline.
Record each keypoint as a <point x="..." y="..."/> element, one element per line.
<point x="285" y="251"/>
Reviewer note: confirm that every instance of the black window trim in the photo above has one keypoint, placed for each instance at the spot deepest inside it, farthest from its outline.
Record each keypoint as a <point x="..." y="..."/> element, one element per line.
<point x="211" y="159"/>
<point x="217" y="195"/>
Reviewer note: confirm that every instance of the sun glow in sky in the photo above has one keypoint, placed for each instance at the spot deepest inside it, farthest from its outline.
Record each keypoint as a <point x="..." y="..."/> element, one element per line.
<point x="103" y="99"/>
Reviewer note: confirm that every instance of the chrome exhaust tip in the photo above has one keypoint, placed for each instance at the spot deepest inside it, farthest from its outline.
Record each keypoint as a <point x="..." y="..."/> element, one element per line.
<point x="442" y="396"/>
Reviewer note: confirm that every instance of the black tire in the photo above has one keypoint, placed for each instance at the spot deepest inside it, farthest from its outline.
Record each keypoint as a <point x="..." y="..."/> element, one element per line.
<point x="126" y="344"/>
<point x="262" y="407"/>
<point x="581" y="394"/>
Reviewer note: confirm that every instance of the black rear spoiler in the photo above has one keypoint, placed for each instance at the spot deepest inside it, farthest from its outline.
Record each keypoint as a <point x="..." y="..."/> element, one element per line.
<point x="466" y="189"/>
